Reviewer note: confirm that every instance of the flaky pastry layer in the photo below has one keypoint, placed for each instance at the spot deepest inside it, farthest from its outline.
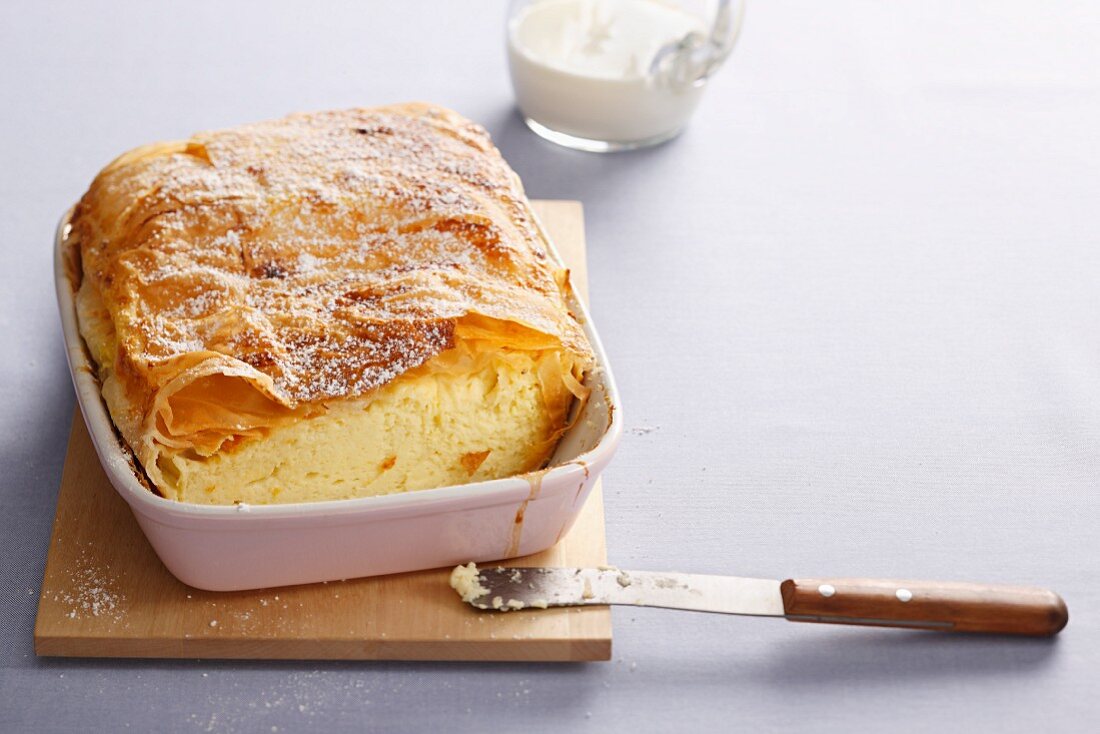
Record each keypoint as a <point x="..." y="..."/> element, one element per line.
<point x="242" y="282"/>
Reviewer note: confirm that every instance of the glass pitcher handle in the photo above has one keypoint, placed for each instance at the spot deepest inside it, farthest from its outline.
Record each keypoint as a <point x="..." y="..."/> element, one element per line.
<point x="694" y="57"/>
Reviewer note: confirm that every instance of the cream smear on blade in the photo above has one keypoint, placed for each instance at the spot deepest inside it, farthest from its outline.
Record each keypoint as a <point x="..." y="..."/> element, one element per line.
<point x="582" y="67"/>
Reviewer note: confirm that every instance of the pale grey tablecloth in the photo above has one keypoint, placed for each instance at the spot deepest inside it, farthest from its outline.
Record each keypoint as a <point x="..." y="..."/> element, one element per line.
<point x="857" y="304"/>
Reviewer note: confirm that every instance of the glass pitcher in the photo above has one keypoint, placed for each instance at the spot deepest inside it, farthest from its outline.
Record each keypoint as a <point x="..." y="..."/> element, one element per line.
<point x="606" y="75"/>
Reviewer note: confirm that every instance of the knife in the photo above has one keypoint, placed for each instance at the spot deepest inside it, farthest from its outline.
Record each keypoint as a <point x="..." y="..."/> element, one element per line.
<point x="947" y="606"/>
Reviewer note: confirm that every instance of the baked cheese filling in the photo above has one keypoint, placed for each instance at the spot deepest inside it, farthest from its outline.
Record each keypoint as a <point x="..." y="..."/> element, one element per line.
<point x="431" y="428"/>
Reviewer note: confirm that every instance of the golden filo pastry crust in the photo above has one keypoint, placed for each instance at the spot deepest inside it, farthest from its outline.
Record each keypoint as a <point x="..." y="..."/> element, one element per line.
<point x="252" y="296"/>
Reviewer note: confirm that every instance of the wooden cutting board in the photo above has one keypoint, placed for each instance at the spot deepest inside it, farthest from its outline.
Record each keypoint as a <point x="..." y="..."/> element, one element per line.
<point x="106" y="594"/>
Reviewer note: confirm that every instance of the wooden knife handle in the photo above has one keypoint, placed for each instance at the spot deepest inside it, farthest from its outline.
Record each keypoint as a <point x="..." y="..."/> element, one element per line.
<point x="933" y="605"/>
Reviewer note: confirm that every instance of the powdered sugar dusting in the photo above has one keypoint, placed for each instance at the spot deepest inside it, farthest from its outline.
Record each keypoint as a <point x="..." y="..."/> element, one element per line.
<point x="330" y="252"/>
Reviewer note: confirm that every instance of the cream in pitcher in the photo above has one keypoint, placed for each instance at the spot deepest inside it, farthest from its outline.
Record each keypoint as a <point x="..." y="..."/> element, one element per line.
<point x="613" y="74"/>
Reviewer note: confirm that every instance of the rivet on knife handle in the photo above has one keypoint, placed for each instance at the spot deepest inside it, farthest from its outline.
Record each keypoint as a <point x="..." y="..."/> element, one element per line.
<point x="937" y="605"/>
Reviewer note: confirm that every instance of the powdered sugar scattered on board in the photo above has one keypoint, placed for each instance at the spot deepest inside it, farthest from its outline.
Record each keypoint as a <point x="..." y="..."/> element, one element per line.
<point x="93" y="591"/>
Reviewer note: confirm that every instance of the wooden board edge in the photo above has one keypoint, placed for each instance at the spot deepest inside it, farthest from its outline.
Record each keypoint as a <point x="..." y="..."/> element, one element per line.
<point x="504" y="651"/>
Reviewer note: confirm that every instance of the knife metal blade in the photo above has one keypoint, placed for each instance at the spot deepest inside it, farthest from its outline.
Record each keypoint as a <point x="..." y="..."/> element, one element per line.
<point x="504" y="589"/>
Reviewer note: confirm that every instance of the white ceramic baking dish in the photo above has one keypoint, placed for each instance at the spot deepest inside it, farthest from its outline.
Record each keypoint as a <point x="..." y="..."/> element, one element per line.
<point x="225" y="548"/>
